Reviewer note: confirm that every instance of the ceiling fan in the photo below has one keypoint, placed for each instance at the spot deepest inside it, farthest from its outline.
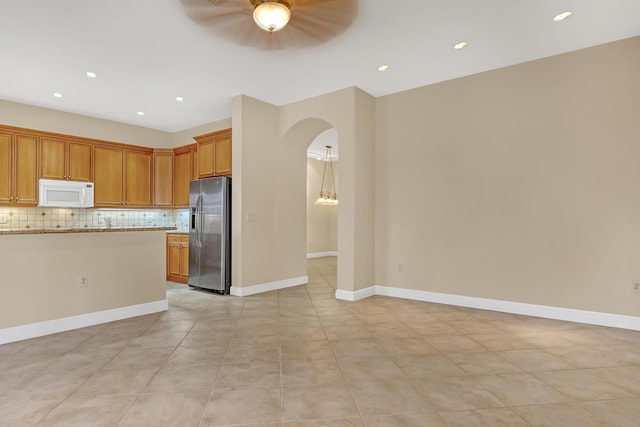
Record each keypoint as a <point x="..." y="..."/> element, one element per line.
<point x="276" y="24"/>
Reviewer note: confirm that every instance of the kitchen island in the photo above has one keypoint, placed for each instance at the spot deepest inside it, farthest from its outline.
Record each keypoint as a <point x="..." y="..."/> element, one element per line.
<point x="54" y="280"/>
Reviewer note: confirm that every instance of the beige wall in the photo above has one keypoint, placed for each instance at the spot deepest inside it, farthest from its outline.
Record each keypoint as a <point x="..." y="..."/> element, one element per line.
<point x="44" y="119"/>
<point x="518" y="184"/>
<point x="351" y="112"/>
<point x="258" y="213"/>
<point x="40" y="273"/>
<point x="322" y="221"/>
<point x="269" y="190"/>
<point x="185" y="137"/>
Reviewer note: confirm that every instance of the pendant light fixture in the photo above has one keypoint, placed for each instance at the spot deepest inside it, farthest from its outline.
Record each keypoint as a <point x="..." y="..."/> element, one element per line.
<point x="326" y="197"/>
<point x="271" y="15"/>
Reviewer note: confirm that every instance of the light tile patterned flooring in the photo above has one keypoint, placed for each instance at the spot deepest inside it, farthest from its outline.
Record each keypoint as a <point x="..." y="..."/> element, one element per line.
<point x="299" y="357"/>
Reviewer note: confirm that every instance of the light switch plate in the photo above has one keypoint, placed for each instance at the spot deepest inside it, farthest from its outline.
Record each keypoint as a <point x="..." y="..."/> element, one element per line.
<point x="4" y="218"/>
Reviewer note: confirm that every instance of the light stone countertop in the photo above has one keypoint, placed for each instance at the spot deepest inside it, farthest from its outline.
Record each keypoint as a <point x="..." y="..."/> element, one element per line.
<point x="81" y="230"/>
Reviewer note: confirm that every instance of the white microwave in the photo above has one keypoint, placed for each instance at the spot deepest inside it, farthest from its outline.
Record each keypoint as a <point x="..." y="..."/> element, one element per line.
<point x="65" y="194"/>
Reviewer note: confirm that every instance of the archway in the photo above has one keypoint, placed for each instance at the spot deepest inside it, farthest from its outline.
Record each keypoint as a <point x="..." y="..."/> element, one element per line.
<point x="298" y="139"/>
<point x="269" y="193"/>
<point x="322" y="216"/>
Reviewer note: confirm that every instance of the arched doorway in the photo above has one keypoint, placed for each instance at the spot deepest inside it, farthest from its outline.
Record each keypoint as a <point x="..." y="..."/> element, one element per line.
<point x="322" y="218"/>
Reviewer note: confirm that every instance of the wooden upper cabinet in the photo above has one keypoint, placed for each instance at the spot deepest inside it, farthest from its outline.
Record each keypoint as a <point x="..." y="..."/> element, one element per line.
<point x="79" y="161"/>
<point x="25" y="172"/>
<point x="223" y="156"/>
<point x="122" y="177"/>
<point x="6" y="168"/>
<point x="138" y="178"/>
<point x="163" y="173"/>
<point x="214" y="154"/>
<point x="108" y="174"/>
<point x="52" y="159"/>
<point x="18" y="169"/>
<point x="206" y="152"/>
<point x="62" y="159"/>
<point x="184" y="172"/>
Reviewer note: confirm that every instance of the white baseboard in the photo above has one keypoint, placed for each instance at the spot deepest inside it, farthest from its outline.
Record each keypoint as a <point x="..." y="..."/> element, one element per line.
<point x="321" y="254"/>
<point x="548" y="312"/>
<point x="266" y="287"/>
<point x="33" y="330"/>
<point x="357" y="295"/>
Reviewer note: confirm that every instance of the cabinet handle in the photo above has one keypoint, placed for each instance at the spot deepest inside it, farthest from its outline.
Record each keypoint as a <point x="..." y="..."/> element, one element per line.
<point x="17" y="198"/>
<point x="11" y="198"/>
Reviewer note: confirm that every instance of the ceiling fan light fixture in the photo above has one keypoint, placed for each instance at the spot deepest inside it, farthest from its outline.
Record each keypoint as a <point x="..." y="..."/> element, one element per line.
<point x="272" y="15"/>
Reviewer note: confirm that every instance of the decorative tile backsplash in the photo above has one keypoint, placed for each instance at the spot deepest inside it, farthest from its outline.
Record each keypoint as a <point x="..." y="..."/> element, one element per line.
<point x="12" y="218"/>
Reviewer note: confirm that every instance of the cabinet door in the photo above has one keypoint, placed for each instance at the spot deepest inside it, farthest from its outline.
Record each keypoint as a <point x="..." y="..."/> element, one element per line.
<point x="223" y="156"/>
<point x="206" y="161"/>
<point x="108" y="176"/>
<point x="137" y="179"/>
<point x="52" y="159"/>
<point x="163" y="179"/>
<point x="26" y="170"/>
<point x="184" y="258"/>
<point x="79" y="162"/>
<point x="173" y="258"/>
<point x="214" y="154"/>
<point x="6" y="167"/>
<point x="182" y="179"/>
<point x="178" y="258"/>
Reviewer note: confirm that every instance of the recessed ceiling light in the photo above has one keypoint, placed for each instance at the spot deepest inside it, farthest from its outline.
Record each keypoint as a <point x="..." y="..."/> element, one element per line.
<point x="384" y="67"/>
<point x="460" y="45"/>
<point x="57" y="94"/>
<point x="141" y="113"/>
<point x="562" y="16"/>
<point x="179" y="98"/>
<point x="91" y="74"/>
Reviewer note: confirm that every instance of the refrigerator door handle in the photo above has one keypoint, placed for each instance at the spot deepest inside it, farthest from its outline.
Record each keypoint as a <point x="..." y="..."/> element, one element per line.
<point x="200" y="220"/>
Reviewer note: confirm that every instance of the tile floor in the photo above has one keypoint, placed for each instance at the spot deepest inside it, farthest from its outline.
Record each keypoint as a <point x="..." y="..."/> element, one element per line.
<point x="298" y="357"/>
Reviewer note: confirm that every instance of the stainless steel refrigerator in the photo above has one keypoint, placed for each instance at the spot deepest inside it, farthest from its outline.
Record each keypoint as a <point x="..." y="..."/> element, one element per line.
<point x="210" y="234"/>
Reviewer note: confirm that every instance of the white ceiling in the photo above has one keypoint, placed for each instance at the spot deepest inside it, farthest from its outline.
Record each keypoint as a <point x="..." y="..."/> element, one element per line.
<point x="318" y="147"/>
<point x="147" y="52"/>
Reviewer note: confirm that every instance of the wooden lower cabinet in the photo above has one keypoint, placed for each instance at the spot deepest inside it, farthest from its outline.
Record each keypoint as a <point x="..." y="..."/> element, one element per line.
<point x="178" y="257"/>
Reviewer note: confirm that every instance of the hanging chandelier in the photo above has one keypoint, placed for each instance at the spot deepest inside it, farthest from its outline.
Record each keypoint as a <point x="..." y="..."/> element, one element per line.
<point x="326" y="197"/>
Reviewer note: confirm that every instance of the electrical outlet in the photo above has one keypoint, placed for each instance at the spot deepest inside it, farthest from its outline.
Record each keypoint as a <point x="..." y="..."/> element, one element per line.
<point x="399" y="267"/>
<point x="636" y="287"/>
<point x="83" y="281"/>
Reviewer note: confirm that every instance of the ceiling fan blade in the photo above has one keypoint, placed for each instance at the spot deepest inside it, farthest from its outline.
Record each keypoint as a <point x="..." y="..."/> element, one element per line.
<point x="312" y="22"/>
<point x="205" y="11"/>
